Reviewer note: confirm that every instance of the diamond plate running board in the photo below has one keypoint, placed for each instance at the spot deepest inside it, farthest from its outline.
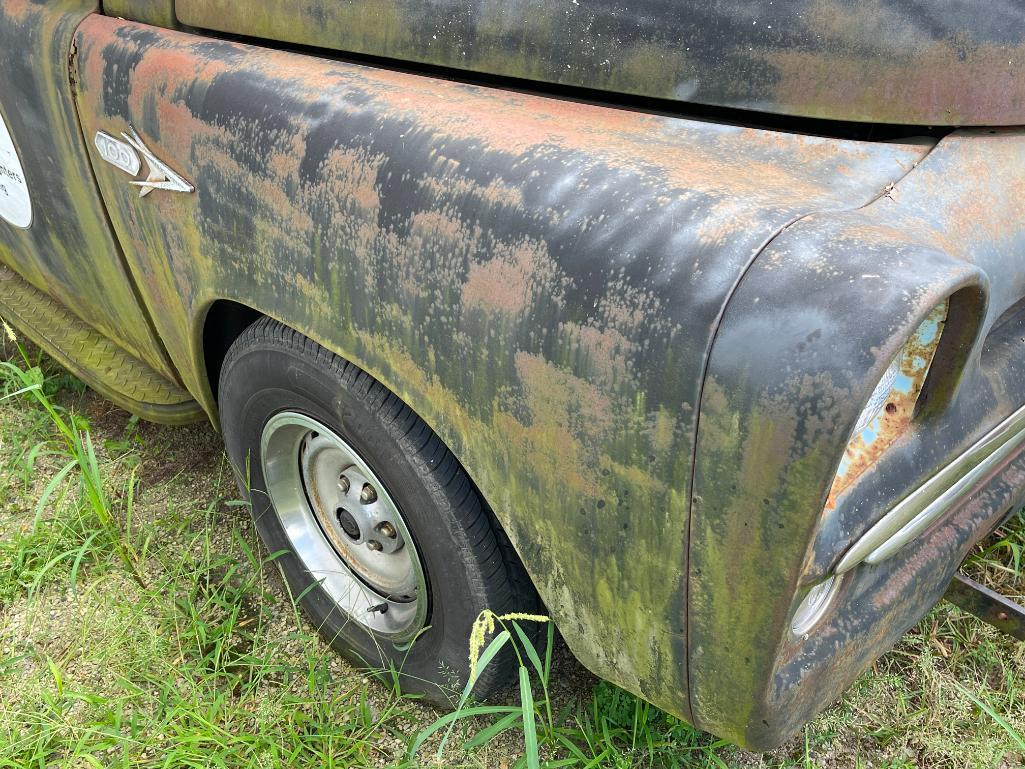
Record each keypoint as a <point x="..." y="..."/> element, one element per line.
<point x="96" y="360"/>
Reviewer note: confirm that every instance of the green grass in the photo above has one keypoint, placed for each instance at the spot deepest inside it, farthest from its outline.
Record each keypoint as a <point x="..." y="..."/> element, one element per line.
<point x="141" y="625"/>
<point x="612" y="728"/>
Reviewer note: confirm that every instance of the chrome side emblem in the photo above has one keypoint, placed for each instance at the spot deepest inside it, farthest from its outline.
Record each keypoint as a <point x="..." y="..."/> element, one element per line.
<point x="117" y="153"/>
<point x="159" y="175"/>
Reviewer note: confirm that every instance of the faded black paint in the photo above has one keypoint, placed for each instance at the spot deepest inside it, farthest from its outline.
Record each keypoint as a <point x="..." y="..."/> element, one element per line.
<point x="804" y="340"/>
<point x="70" y="251"/>
<point x="116" y="67"/>
<point x="538" y="279"/>
<point x="888" y="61"/>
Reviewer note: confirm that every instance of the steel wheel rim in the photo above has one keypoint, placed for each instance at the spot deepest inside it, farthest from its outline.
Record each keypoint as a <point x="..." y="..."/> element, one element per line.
<point x="355" y="542"/>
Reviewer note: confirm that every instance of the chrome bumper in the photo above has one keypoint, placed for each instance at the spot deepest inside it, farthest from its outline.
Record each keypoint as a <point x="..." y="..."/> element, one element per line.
<point x="941" y="493"/>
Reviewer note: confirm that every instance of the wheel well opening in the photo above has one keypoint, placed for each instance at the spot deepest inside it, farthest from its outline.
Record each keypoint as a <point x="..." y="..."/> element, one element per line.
<point x="225" y="322"/>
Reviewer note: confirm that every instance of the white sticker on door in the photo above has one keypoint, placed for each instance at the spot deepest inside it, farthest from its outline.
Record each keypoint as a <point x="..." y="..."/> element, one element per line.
<point x="15" y="204"/>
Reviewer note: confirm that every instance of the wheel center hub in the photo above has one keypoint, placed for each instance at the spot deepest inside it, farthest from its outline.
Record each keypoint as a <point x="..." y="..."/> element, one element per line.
<point x="358" y="520"/>
<point x="348" y="524"/>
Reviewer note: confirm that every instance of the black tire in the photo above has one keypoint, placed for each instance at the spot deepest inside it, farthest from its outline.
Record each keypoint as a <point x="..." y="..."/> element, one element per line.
<point x="468" y="561"/>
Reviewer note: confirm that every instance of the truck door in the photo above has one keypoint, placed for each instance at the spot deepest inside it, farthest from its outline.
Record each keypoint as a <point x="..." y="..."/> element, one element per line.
<point x="54" y="230"/>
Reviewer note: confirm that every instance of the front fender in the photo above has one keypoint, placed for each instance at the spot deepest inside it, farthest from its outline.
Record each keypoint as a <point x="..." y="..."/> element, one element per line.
<point x="804" y="339"/>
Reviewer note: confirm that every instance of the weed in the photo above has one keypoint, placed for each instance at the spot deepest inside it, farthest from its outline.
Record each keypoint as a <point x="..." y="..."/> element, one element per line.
<point x="614" y="729"/>
<point x="75" y="448"/>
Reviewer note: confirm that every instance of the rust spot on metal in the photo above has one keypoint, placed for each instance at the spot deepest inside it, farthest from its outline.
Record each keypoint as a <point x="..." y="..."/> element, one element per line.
<point x="885" y="420"/>
<point x="509" y="281"/>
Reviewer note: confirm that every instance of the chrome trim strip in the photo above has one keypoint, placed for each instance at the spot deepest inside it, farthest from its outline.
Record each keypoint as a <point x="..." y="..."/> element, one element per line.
<point x="912" y="515"/>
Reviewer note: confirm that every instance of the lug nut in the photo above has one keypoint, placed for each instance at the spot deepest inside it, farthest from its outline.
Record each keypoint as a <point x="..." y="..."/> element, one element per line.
<point x="387" y="529"/>
<point x="374" y="544"/>
<point x="343" y="484"/>
<point x="368" y="494"/>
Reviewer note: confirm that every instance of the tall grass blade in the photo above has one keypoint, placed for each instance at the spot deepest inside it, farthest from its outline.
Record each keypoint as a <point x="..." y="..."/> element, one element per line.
<point x="82" y="551"/>
<point x="484" y="736"/>
<point x="22" y="391"/>
<point x="548" y="651"/>
<point x="529" y="724"/>
<point x="449" y="718"/>
<point x="488" y="654"/>
<point x="542" y="669"/>
<point x="999" y="719"/>
<point x="530" y="651"/>
<point x="48" y="492"/>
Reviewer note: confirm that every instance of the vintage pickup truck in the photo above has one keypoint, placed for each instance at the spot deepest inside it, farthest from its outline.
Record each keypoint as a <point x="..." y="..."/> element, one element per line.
<point x="698" y="326"/>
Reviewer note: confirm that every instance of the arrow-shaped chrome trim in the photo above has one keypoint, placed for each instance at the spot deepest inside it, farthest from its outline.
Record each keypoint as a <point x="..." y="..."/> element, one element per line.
<point x="160" y="176"/>
<point x="944" y="491"/>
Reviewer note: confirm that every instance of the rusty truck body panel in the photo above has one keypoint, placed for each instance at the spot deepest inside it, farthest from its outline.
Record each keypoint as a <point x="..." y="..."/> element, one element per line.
<point x="887" y="61"/>
<point x="647" y="337"/>
<point x="771" y="421"/>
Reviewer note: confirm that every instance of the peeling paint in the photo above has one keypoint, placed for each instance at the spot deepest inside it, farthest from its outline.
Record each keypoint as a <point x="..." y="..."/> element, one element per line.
<point x="892" y="413"/>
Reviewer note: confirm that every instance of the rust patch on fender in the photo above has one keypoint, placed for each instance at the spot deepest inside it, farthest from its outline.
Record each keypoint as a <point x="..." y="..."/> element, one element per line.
<point x="890" y="409"/>
<point x="508" y="282"/>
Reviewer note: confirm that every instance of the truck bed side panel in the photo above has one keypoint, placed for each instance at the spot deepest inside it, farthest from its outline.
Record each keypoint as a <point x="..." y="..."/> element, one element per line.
<point x="898" y="61"/>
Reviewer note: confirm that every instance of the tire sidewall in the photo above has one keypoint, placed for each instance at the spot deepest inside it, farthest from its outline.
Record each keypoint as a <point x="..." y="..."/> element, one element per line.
<point x="267" y="379"/>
